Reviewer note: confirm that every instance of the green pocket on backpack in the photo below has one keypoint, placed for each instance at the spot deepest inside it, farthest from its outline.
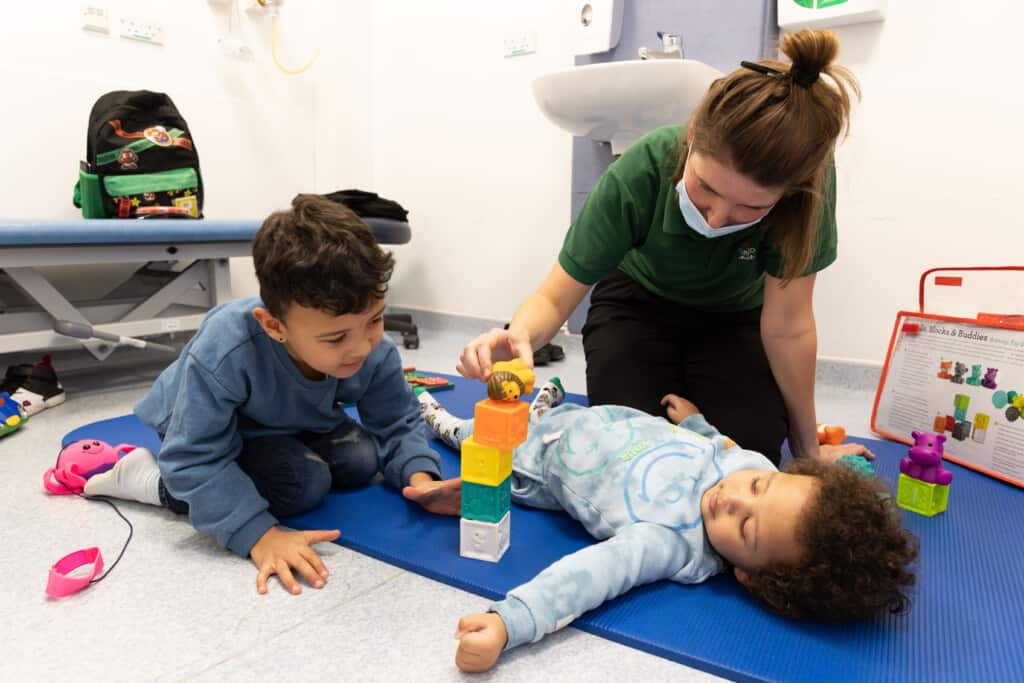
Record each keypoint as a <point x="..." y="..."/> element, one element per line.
<point x="89" y="196"/>
<point x="127" y="185"/>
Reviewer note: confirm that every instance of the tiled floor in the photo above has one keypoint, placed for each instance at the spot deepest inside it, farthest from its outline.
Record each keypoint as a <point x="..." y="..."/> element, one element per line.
<point x="179" y="609"/>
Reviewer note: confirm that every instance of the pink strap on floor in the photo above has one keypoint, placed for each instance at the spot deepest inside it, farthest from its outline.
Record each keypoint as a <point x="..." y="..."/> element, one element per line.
<point x="60" y="585"/>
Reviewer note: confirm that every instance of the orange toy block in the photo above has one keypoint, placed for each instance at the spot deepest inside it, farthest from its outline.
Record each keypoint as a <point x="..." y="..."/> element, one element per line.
<point x="500" y="424"/>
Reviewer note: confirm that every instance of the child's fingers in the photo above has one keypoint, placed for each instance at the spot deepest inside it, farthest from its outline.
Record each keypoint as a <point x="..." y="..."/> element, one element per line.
<point x="261" y="578"/>
<point x="667" y="399"/>
<point x="315" y="561"/>
<point x="320" y="536"/>
<point x="476" y="653"/>
<point x="306" y="571"/>
<point x="467" y="624"/>
<point x="284" y="573"/>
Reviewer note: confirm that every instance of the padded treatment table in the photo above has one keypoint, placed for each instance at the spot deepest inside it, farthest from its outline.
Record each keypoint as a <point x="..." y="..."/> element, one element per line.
<point x="966" y="623"/>
<point x="185" y="273"/>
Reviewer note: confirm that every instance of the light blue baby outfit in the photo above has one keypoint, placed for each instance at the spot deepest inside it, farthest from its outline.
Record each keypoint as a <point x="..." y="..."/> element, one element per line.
<point x="635" y="482"/>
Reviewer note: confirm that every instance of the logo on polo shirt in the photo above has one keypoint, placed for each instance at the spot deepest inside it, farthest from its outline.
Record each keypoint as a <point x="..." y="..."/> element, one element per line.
<point x="746" y="252"/>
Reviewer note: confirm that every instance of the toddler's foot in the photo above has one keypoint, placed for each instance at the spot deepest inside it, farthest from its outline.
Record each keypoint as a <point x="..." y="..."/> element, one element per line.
<point x="136" y="477"/>
<point x="443" y="424"/>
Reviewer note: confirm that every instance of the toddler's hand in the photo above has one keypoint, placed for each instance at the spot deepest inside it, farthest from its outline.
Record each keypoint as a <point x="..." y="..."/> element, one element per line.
<point x="279" y="551"/>
<point x="440" y="497"/>
<point x="678" y="408"/>
<point x="481" y="638"/>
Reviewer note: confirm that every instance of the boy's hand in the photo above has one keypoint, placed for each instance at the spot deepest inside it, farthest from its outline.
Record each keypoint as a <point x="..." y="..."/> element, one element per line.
<point x="678" y="408"/>
<point x="481" y="638"/>
<point x="832" y="453"/>
<point x="440" y="497"/>
<point x="278" y="552"/>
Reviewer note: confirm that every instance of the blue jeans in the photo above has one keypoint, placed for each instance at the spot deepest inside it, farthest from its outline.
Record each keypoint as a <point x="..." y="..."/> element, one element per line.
<point x="294" y="472"/>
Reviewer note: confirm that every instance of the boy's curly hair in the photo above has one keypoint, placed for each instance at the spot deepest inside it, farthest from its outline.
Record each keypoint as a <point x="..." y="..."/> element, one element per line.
<point x="319" y="255"/>
<point x="857" y="553"/>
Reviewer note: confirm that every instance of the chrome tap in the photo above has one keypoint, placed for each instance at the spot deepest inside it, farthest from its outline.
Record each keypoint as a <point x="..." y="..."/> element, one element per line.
<point x="671" y="47"/>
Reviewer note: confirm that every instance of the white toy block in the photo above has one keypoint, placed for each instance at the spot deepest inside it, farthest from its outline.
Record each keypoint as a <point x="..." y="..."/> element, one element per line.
<point x="485" y="541"/>
<point x="979" y="435"/>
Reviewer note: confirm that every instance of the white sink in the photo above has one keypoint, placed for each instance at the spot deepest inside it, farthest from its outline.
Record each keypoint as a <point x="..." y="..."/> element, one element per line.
<point x="618" y="102"/>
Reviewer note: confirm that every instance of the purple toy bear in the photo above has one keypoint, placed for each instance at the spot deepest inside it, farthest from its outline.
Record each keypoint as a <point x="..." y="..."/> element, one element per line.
<point x="990" y="378"/>
<point x="925" y="461"/>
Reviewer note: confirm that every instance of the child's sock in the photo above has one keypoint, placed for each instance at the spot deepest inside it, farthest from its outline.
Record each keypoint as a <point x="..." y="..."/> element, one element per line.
<point x="444" y="425"/>
<point x="136" y="477"/>
<point x="548" y="396"/>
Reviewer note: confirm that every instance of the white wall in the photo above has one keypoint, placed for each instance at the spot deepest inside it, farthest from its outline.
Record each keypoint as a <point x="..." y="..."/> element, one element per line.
<point x="931" y="173"/>
<point x="458" y="140"/>
<point x="262" y="136"/>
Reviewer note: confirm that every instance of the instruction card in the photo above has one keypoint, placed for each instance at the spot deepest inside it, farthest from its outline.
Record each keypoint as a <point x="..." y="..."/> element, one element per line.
<point x="961" y="379"/>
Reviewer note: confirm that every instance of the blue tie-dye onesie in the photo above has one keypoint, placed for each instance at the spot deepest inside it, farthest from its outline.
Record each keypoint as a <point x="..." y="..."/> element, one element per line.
<point x="628" y="477"/>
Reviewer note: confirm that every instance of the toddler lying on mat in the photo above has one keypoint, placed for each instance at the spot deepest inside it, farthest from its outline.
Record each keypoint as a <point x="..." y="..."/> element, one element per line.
<point x="683" y="503"/>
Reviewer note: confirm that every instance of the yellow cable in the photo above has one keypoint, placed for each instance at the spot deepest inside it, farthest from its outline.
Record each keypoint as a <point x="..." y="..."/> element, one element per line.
<point x="273" y="51"/>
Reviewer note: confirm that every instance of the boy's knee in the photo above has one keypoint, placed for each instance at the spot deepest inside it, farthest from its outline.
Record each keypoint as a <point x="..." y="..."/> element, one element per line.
<point x="357" y="464"/>
<point x="312" y="482"/>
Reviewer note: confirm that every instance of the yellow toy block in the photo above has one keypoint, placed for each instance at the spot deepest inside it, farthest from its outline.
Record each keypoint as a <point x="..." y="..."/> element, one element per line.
<point x="981" y="421"/>
<point x="485" y="465"/>
<point x="510" y="379"/>
<point x="500" y="424"/>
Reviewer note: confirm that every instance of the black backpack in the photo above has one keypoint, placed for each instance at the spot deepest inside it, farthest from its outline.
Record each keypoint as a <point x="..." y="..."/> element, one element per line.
<point x="141" y="160"/>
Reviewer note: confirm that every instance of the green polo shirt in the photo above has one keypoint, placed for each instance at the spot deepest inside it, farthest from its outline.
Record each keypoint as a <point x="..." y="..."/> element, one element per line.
<point x="631" y="221"/>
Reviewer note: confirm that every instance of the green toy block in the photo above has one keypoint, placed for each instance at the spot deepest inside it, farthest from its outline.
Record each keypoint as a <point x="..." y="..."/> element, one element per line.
<point x="921" y="497"/>
<point x="486" y="503"/>
<point x="961" y="401"/>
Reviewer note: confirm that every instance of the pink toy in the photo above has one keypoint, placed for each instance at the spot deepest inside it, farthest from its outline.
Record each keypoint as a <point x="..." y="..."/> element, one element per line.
<point x="925" y="461"/>
<point x="80" y="460"/>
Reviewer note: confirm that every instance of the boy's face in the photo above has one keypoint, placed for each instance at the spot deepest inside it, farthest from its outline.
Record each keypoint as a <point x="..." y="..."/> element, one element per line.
<point x="751" y="517"/>
<point x="324" y="344"/>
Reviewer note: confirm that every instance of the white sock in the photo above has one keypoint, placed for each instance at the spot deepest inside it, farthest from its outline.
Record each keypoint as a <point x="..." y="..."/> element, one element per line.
<point x="548" y="396"/>
<point x="136" y="477"/>
<point x="443" y="424"/>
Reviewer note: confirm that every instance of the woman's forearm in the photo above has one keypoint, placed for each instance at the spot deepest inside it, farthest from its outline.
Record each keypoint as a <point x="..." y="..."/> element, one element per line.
<point x="792" y="358"/>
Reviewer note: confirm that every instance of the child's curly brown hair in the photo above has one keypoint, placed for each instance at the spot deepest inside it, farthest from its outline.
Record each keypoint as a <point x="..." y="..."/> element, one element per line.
<point x="857" y="553"/>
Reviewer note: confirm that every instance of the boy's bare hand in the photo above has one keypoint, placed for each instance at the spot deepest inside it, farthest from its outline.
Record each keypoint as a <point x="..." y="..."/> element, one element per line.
<point x="678" y="408"/>
<point x="279" y="551"/>
<point x="440" y="497"/>
<point x="481" y="638"/>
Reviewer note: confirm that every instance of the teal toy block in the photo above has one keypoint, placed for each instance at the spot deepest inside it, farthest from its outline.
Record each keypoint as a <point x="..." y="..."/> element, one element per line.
<point x="921" y="497"/>
<point x="960" y="414"/>
<point x="961" y="401"/>
<point x="486" y="503"/>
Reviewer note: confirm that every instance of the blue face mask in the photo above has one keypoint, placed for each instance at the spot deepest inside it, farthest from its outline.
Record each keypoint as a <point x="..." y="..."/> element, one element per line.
<point x="694" y="218"/>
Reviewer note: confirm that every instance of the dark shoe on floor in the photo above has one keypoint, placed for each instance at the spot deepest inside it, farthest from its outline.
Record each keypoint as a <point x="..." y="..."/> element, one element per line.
<point x="34" y="387"/>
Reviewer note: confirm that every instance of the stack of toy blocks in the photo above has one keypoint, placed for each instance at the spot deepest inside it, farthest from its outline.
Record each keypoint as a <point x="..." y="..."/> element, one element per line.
<point x="924" y="483"/>
<point x="498" y="427"/>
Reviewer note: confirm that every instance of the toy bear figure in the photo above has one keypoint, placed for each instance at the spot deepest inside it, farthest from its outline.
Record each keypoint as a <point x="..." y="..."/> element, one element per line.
<point x="989" y="382"/>
<point x="925" y="461"/>
<point x="975" y="378"/>
<point x="944" y="366"/>
<point x="959" y="371"/>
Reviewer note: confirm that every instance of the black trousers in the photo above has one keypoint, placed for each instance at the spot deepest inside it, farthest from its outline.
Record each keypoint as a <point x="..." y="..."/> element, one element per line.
<point x="640" y="347"/>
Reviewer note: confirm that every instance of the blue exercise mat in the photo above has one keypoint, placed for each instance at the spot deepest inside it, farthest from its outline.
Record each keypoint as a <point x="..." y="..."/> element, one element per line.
<point x="965" y="624"/>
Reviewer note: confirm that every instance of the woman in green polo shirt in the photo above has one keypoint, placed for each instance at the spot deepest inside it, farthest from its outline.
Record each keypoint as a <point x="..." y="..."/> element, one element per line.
<point x="704" y="242"/>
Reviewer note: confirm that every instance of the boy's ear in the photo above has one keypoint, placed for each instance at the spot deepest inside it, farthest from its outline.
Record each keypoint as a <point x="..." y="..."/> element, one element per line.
<point x="271" y="325"/>
<point x="742" y="577"/>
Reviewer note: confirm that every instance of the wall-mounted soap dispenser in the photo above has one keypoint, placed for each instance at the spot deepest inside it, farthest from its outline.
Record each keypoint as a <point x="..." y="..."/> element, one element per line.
<point x="598" y="25"/>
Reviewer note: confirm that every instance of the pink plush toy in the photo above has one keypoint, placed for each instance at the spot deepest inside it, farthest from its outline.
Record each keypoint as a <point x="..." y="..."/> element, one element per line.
<point x="925" y="461"/>
<point x="80" y="460"/>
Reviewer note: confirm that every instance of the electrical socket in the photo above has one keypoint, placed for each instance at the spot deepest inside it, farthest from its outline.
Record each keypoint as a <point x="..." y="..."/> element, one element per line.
<point x="94" y="18"/>
<point x="521" y="43"/>
<point x="143" y="31"/>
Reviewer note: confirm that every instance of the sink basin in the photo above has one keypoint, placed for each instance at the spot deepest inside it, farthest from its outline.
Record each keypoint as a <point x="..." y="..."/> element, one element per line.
<point x="618" y="102"/>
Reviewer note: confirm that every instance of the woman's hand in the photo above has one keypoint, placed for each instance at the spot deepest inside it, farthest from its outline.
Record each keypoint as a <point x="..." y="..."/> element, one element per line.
<point x="832" y="453"/>
<point x="479" y="355"/>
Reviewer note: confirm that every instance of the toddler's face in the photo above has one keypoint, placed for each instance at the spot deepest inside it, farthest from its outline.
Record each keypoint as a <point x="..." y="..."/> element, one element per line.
<point x="751" y="516"/>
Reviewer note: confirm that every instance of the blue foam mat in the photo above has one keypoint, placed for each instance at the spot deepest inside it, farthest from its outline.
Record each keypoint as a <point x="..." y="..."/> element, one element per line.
<point x="965" y="624"/>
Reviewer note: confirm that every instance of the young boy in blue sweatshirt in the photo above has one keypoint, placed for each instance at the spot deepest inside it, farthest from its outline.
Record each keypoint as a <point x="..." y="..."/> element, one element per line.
<point x="683" y="503"/>
<point x="251" y="413"/>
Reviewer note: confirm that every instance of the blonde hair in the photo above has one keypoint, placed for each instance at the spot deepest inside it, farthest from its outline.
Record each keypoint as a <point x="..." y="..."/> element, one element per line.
<point x="777" y="124"/>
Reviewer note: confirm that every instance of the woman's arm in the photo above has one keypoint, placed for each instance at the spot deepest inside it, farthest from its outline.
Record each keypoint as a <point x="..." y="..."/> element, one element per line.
<point x="533" y="325"/>
<point x="791" y="343"/>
